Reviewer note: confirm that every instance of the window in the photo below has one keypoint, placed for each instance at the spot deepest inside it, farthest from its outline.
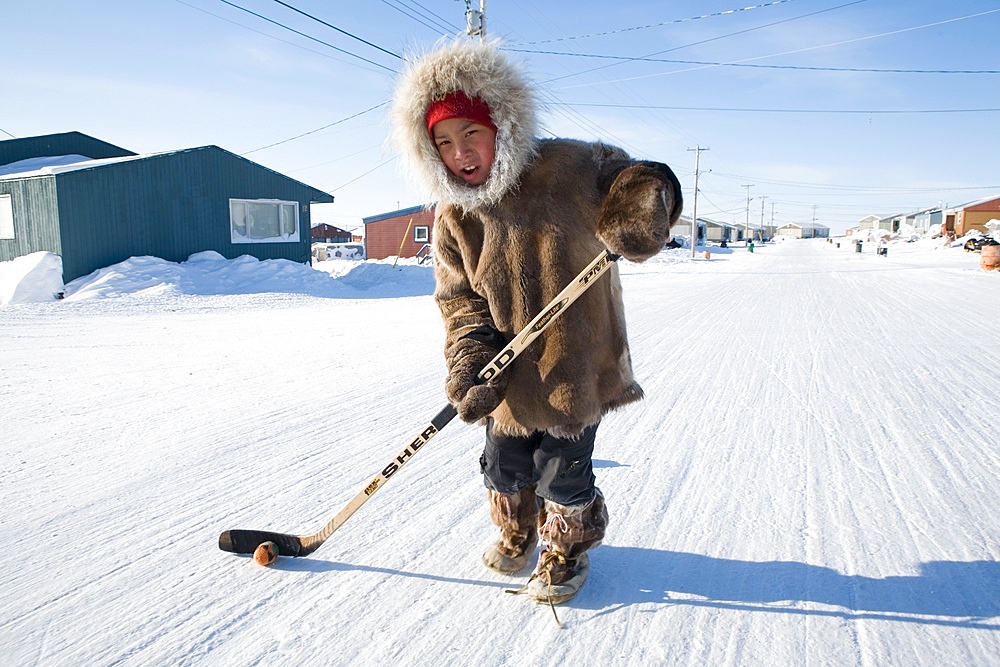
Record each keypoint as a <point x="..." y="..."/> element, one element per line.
<point x="263" y="221"/>
<point x="421" y="234"/>
<point x="6" y="218"/>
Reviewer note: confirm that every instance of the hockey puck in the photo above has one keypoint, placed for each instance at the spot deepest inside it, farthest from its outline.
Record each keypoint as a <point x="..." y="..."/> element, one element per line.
<point x="266" y="553"/>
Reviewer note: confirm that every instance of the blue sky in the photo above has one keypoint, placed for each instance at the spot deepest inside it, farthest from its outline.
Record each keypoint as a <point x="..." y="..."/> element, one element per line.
<point x="797" y="99"/>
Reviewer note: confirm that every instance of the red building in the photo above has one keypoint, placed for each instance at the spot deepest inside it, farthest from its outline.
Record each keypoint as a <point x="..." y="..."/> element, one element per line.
<point x="974" y="215"/>
<point x="325" y="233"/>
<point x="403" y="233"/>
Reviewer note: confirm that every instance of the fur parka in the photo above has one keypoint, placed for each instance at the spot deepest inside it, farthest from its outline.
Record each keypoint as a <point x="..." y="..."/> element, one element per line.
<point x="504" y="249"/>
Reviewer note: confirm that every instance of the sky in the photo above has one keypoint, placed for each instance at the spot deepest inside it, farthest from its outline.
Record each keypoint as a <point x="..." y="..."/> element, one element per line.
<point x="808" y="110"/>
<point x="814" y="487"/>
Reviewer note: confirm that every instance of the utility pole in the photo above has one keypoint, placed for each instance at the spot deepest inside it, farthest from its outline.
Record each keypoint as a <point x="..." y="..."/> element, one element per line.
<point x="746" y="225"/>
<point x="475" y="19"/>
<point x="694" y="207"/>
<point x="762" y="217"/>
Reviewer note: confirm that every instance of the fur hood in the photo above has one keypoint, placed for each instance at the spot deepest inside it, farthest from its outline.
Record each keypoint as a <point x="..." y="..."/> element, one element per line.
<point x="478" y="69"/>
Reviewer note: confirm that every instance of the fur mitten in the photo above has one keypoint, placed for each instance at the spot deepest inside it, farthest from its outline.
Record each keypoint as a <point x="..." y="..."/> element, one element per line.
<point x="466" y="357"/>
<point x="635" y="218"/>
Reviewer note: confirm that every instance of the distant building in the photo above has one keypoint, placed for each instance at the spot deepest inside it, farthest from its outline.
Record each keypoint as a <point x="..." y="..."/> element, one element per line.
<point x="923" y="220"/>
<point x="804" y="230"/>
<point x="722" y="232"/>
<point x="683" y="228"/>
<point x="869" y="222"/>
<point x="894" y="223"/>
<point x="325" y="233"/>
<point x="95" y="204"/>
<point x="404" y="233"/>
<point x="974" y="215"/>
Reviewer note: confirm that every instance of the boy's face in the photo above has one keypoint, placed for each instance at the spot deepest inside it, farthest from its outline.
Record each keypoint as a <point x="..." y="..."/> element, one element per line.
<point x="467" y="148"/>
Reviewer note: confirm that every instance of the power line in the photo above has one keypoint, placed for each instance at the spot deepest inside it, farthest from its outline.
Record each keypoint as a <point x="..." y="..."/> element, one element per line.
<point x="360" y="176"/>
<point x="750" y="110"/>
<point x="405" y="12"/>
<point x="423" y="15"/>
<point x="305" y="134"/>
<point x="662" y="23"/>
<point x="757" y="65"/>
<point x="867" y="189"/>
<point x="282" y="25"/>
<point x="820" y="46"/>
<point x="343" y="32"/>
<point x="713" y="39"/>
<point x="264" y="34"/>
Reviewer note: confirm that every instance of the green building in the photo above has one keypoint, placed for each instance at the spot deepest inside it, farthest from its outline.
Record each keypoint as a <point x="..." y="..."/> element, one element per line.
<point x="96" y="204"/>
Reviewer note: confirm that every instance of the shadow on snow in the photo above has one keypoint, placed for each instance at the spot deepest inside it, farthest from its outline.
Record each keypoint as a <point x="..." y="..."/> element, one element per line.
<point x="964" y="593"/>
<point x="944" y="593"/>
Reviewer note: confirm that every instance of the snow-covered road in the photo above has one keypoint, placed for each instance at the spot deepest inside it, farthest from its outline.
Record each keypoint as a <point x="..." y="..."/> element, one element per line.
<point x="812" y="478"/>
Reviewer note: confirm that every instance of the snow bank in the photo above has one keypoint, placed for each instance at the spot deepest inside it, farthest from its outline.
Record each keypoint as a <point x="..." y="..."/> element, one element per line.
<point x="31" y="278"/>
<point x="38" y="277"/>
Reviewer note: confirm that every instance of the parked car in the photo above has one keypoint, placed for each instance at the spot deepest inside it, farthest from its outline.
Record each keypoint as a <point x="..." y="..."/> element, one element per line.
<point x="345" y="250"/>
<point x="976" y="244"/>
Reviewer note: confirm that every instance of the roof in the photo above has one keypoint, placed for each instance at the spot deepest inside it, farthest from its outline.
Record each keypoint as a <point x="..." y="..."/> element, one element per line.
<point x="329" y="227"/>
<point x="56" y="164"/>
<point x="61" y="164"/>
<point x="396" y="214"/>
<point x="804" y="225"/>
<point x="76" y="143"/>
<point x="977" y="202"/>
<point x="911" y="214"/>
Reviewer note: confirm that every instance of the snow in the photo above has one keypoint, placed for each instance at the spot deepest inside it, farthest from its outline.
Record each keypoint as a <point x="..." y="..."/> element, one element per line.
<point x="31" y="278"/>
<point x="57" y="164"/>
<point x="812" y="478"/>
<point x="40" y="166"/>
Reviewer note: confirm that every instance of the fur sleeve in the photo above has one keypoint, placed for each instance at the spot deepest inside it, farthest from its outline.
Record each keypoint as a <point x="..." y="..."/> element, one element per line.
<point x="463" y="310"/>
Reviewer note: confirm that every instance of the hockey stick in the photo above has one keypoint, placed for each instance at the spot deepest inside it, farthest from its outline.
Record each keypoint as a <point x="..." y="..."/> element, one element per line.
<point x="246" y="541"/>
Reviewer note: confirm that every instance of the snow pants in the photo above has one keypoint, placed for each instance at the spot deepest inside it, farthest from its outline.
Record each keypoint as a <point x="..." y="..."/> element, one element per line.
<point x="562" y="468"/>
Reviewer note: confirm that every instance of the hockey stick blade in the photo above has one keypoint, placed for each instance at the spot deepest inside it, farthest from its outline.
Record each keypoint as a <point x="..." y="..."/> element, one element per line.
<point x="247" y="541"/>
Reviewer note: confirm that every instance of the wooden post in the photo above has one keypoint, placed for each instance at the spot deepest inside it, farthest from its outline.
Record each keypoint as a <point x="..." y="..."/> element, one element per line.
<point x="403" y="242"/>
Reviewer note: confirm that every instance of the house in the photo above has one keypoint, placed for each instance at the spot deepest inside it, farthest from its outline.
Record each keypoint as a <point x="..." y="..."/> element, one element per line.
<point x="921" y="219"/>
<point x="683" y="228"/>
<point x="804" y="230"/>
<point x="868" y="222"/>
<point x="402" y="233"/>
<point x="924" y="220"/>
<point x="325" y="233"/>
<point x="722" y="232"/>
<point x="974" y="215"/>
<point x="95" y="204"/>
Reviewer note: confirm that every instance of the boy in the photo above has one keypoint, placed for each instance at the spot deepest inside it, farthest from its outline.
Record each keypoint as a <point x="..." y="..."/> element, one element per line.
<point x="517" y="218"/>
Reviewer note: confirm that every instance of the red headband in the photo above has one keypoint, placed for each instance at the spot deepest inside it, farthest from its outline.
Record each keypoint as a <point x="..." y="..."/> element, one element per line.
<point x="459" y="105"/>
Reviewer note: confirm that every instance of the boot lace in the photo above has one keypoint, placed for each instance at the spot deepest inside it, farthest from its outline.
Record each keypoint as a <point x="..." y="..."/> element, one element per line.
<point x="546" y="562"/>
<point x="554" y="522"/>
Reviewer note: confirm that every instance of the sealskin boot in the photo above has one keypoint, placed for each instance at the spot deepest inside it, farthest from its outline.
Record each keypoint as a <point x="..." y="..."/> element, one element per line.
<point x="567" y="533"/>
<point x="516" y="515"/>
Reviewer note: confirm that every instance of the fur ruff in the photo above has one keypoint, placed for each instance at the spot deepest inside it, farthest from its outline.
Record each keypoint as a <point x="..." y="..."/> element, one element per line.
<point x="479" y="70"/>
<point x="504" y="249"/>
